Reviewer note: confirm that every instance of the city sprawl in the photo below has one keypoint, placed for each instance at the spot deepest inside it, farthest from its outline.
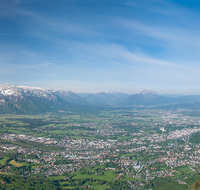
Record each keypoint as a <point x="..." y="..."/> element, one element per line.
<point x="130" y="148"/>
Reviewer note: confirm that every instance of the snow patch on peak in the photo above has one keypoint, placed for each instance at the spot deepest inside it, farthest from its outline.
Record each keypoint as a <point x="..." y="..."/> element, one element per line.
<point x="6" y="86"/>
<point x="145" y="92"/>
<point x="7" y="89"/>
<point x="113" y="92"/>
<point x="31" y="88"/>
<point x="7" y="92"/>
<point x="148" y="93"/>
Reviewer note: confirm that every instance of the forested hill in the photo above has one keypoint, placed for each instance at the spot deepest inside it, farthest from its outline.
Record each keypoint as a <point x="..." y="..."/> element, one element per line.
<point x="195" y="138"/>
<point x="10" y="182"/>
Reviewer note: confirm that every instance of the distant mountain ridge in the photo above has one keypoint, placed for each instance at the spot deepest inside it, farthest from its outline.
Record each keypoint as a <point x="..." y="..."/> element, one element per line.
<point x="109" y="98"/>
<point x="148" y="98"/>
<point x="145" y="98"/>
<point x="174" y="95"/>
<point x="24" y="99"/>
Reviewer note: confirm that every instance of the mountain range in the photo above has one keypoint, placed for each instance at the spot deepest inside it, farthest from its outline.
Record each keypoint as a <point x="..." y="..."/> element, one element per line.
<point x="148" y="98"/>
<point x="23" y="99"/>
<point x="103" y="98"/>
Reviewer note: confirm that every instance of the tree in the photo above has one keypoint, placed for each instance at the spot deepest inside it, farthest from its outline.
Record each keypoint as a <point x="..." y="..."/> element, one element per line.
<point x="196" y="185"/>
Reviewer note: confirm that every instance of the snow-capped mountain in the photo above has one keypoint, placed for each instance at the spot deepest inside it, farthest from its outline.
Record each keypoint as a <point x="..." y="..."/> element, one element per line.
<point x="149" y="97"/>
<point x="149" y="94"/>
<point x="10" y="91"/>
<point x="25" y="98"/>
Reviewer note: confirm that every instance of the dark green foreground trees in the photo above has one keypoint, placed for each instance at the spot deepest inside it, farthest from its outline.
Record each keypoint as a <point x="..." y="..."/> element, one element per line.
<point x="196" y="185"/>
<point x="8" y="182"/>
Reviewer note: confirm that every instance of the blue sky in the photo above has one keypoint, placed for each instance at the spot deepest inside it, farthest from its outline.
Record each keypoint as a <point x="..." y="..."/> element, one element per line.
<point x="94" y="46"/>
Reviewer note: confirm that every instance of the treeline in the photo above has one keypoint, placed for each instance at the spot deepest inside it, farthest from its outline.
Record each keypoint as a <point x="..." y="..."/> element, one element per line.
<point x="31" y="122"/>
<point x="165" y="184"/>
<point x="8" y="182"/>
<point x="36" y="145"/>
<point x="80" y="184"/>
<point x="195" y="138"/>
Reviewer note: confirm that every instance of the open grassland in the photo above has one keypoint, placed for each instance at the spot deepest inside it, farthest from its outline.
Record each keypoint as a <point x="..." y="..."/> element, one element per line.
<point x="107" y="176"/>
<point x="132" y="179"/>
<point x="92" y="169"/>
<point x="118" y="177"/>
<point x="3" y="160"/>
<point x="13" y="162"/>
<point x="1" y="173"/>
<point x="67" y="184"/>
<point x="100" y="187"/>
<point x="185" y="169"/>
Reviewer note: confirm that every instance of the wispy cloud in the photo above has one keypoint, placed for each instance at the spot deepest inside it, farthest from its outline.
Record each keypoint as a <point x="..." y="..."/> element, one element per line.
<point x="165" y="33"/>
<point x="109" y="53"/>
<point x="33" y="66"/>
<point x="16" y="67"/>
<point x="44" y="26"/>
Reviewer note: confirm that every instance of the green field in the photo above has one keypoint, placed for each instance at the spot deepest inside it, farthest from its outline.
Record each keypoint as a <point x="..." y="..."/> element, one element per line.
<point x="3" y="160"/>
<point x="107" y="176"/>
<point x="185" y="169"/>
<point x="132" y="179"/>
<point x="100" y="187"/>
<point x="14" y="163"/>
